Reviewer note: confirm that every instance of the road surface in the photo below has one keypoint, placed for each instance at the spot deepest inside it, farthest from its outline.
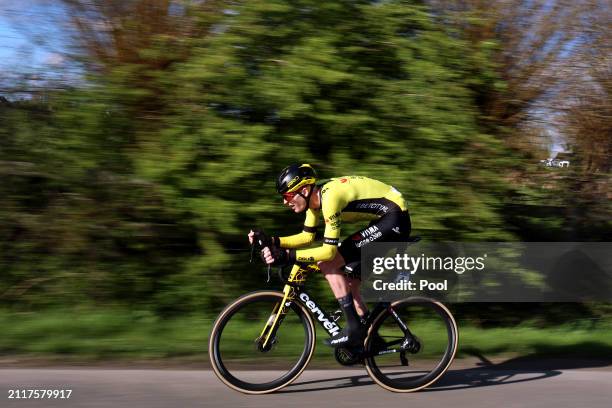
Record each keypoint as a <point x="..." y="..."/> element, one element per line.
<point x="546" y="384"/>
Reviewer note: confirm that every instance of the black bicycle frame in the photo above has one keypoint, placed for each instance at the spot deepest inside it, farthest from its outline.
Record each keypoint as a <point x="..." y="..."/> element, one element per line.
<point x="324" y="319"/>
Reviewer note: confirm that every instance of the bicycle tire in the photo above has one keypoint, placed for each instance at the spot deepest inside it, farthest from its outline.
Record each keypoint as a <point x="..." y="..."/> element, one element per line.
<point x="219" y="361"/>
<point x="392" y="381"/>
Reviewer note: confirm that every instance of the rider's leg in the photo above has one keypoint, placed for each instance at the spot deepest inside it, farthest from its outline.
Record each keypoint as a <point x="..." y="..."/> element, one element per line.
<point x="360" y="306"/>
<point x="332" y="270"/>
<point x="393" y="227"/>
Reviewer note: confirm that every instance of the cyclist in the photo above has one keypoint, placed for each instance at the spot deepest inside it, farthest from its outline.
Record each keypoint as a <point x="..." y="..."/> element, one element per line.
<point x="348" y="198"/>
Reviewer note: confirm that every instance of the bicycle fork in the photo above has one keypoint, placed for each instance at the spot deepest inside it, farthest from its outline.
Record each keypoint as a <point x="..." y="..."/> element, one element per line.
<point x="267" y="337"/>
<point x="297" y="277"/>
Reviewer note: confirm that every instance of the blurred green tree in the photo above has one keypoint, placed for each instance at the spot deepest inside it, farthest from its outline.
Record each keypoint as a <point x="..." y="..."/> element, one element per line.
<point x="138" y="186"/>
<point x="190" y="111"/>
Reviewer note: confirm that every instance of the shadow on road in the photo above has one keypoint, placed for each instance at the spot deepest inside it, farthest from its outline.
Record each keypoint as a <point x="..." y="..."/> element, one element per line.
<point x="532" y="367"/>
<point x="487" y="374"/>
<point x="329" y="384"/>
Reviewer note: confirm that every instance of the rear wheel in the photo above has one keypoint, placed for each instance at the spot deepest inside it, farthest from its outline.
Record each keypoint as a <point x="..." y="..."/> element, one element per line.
<point x="241" y="357"/>
<point x="407" y="361"/>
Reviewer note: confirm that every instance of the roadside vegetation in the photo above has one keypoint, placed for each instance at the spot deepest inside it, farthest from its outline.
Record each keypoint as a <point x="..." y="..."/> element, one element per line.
<point x="131" y="173"/>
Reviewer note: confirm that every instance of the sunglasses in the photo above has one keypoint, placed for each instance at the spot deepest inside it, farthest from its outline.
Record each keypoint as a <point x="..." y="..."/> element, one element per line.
<point x="289" y="196"/>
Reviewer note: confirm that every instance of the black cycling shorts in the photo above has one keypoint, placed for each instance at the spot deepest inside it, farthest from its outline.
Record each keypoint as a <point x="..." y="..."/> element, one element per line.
<point x="391" y="227"/>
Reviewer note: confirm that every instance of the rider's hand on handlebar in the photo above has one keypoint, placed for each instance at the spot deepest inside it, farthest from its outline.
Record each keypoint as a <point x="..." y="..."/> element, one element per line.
<point x="275" y="256"/>
<point x="266" y="256"/>
<point x="260" y="238"/>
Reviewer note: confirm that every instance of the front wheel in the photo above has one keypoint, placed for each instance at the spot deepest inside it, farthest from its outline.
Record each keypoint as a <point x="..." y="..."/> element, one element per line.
<point x="253" y="350"/>
<point x="411" y="344"/>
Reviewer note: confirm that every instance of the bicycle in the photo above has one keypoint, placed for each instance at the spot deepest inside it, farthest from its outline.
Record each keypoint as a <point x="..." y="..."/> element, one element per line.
<point x="421" y="332"/>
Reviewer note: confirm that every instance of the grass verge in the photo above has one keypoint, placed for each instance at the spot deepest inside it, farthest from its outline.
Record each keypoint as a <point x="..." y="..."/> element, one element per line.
<point x="129" y="335"/>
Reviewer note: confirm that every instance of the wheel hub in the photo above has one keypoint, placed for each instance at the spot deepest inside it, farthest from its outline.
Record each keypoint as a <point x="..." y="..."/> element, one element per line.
<point x="260" y="344"/>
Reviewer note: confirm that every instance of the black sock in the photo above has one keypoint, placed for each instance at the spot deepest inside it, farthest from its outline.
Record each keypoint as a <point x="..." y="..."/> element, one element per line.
<point x="352" y="318"/>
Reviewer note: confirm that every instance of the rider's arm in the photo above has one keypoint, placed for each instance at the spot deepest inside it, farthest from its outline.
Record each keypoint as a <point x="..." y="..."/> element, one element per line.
<point x="332" y="203"/>
<point x="298" y="240"/>
<point x="305" y="237"/>
<point x="325" y="252"/>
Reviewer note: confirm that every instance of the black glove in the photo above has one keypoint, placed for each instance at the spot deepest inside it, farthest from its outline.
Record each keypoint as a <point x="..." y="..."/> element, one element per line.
<point x="281" y="256"/>
<point x="260" y="238"/>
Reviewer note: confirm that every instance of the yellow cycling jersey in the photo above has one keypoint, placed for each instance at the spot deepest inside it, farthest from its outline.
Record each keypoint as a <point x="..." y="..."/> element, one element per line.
<point x="349" y="198"/>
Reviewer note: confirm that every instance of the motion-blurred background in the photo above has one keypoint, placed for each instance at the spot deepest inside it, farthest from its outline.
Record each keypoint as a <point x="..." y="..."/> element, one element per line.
<point x="140" y="139"/>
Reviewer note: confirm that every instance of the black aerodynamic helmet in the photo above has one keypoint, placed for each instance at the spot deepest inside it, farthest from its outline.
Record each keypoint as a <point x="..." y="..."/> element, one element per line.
<point x="294" y="177"/>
